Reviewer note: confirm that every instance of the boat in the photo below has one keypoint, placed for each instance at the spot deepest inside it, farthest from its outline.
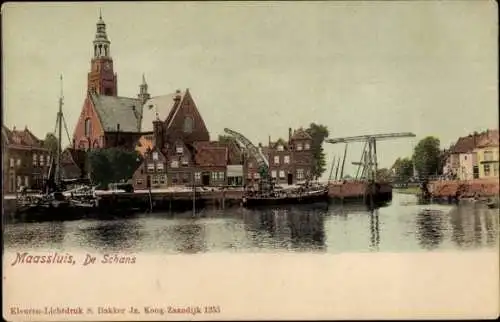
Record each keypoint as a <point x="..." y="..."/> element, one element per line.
<point x="61" y="198"/>
<point x="303" y="195"/>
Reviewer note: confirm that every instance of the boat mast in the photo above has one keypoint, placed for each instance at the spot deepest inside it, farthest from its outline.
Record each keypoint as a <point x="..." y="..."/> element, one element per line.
<point x="59" y="136"/>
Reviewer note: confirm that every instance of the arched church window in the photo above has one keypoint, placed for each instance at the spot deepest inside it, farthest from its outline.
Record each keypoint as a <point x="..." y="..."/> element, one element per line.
<point x="188" y="124"/>
<point x="88" y="127"/>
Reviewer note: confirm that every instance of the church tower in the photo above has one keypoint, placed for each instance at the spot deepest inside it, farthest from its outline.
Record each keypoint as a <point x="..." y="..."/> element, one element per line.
<point x="101" y="78"/>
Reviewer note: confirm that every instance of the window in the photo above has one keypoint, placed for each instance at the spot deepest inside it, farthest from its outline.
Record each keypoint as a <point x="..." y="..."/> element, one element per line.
<point x="18" y="162"/>
<point x="18" y="181"/>
<point x="276" y="159"/>
<point x="282" y="173"/>
<point x="35" y="159"/>
<point x="257" y="175"/>
<point x="299" y="147"/>
<point x="160" y="167"/>
<point x="300" y="174"/>
<point x="88" y="127"/>
<point x="214" y="175"/>
<point x="163" y="179"/>
<point x="488" y="155"/>
<point x="287" y="159"/>
<point x="185" y="161"/>
<point x="179" y="149"/>
<point x="11" y="162"/>
<point x="175" y="178"/>
<point x="154" y="180"/>
<point x="155" y="156"/>
<point x="174" y="164"/>
<point x="465" y="157"/>
<point x="221" y="176"/>
<point x="26" y="182"/>
<point x="197" y="176"/>
<point x="188" y="124"/>
<point x="139" y="181"/>
<point x="486" y="170"/>
<point x="42" y="160"/>
<point x="273" y="173"/>
<point x="280" y="147"/>
<point x="48" y="160"/>
<point x="495" y="169"/>
<point x="151" y="167"/>
<point x="185" y="177"/>
<point x="307" y="146"/>
<point x="250" y="164"/>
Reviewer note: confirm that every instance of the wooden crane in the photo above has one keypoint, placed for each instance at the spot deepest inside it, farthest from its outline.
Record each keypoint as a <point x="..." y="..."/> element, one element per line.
<point x="369" y="156"/>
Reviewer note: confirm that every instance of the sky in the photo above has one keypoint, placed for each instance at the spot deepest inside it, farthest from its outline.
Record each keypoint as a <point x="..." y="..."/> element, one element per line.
<point x="359" y="68"/>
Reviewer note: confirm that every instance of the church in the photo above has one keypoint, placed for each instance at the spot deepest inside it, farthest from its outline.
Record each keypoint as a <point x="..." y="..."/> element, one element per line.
<point x="169" y="126"/>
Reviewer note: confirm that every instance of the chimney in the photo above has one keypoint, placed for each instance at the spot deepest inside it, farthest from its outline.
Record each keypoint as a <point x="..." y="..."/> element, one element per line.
<point x="269" y="140"/>
<point x="74" y="143"/>
<point x="289" y="134"/>
<point x="157" y="134"/>
<point x="118" y="127"/>
<point x="177" y="97"/>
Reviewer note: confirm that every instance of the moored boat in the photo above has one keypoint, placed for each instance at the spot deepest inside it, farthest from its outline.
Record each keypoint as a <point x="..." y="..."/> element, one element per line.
<point x="305" y="196"/>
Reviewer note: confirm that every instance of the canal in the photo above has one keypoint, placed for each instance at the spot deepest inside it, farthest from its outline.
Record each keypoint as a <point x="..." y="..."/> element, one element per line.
<point x="402" y="226"/>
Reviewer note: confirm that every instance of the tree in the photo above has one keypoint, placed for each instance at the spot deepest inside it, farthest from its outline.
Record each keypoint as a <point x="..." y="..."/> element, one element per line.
<point x="426" y="156"/>
<point x="51" y="143"/>
<point x="403" y="169"/>
<point x="112" y="165"/>
<point x="318" y="133"/>
<point x="384" y="174"/>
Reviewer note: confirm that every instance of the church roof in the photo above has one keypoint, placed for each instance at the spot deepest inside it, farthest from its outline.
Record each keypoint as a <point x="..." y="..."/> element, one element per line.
<point x="114" y="110"/>
<point x="163" y="105"/>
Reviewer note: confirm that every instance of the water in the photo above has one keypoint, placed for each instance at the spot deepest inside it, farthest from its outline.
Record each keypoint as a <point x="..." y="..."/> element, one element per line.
<point x="403" y="226"/>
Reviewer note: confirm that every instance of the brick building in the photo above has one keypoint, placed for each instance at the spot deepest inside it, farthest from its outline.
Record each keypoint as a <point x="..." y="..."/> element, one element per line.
<point x="25" y="160"/>
<point x="290" y="161"/>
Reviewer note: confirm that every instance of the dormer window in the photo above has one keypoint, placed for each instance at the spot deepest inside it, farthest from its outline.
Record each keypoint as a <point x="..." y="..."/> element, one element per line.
<point x="159" y="167"/>
<point x="280" y="147"/>
<point x="299" y="146"/>
<point x="151" y="167"/>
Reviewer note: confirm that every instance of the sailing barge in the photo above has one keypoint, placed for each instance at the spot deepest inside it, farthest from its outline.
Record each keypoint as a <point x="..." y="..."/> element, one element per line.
<point x="302" y="195"/>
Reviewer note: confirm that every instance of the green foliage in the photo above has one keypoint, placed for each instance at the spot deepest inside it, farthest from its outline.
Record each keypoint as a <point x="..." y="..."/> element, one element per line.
<point x="427" y="155"/>
<point x="318" y="133"/>
<point x="403" y="169"/>
<point x="112" y="165"/>
<point x="384" y="174"/>
<point x="51" y="143"/>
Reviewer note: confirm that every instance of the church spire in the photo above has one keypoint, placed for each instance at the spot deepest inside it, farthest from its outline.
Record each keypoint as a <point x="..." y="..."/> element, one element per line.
<point x="101" y="41"/>
<point x="143" y="90"/>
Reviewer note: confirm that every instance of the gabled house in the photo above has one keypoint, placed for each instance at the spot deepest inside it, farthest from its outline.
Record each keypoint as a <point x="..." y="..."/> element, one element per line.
<point x="290" y="161"/>
<point x="487" y="152"/>
<point x="26" y="160"/>
<point x="462" y="160"/>
<point x="153" y="168"/>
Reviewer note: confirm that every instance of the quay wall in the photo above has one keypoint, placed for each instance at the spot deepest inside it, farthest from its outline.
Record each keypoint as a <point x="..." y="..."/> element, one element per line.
<point x="468" y="188"/>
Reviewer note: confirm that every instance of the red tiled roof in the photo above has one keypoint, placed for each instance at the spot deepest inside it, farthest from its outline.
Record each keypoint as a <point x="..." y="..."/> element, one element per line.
<point x="490" y="139"/>
<point x="24" y="137"/>
<point x="211" y="156"/>
<point x="468" y="143"/>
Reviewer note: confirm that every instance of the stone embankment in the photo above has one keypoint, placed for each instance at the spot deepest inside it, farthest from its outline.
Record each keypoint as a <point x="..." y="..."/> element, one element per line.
<point x="464" y="188"/>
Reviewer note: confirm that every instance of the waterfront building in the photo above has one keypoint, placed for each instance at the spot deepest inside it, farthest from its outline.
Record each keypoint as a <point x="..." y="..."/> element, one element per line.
<point x="290" y="161"/>
<point x="488" y="155"/>
<point x="26" y="160"/>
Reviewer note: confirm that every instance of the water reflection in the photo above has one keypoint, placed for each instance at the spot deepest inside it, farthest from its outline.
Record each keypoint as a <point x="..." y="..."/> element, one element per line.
<point x="39" y="235"/>
<point x="120" y="235"/>
<point x="474" y="226"/>
<point x="429" y="228"/>
<point x="188" y="237"/>
<point x="398" y="227"/>
<point x="374" y="230"/>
